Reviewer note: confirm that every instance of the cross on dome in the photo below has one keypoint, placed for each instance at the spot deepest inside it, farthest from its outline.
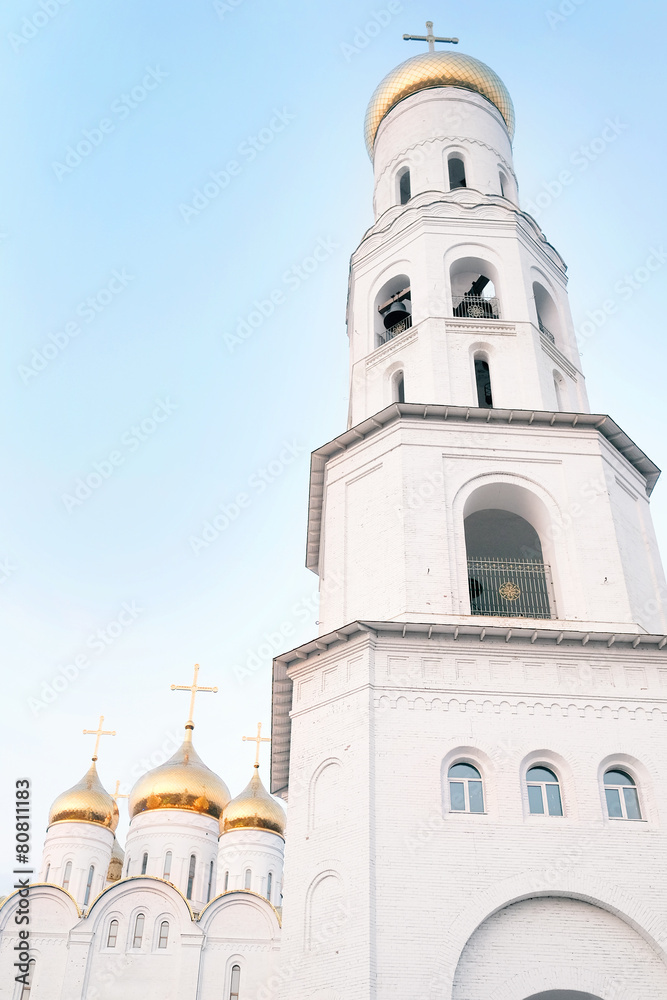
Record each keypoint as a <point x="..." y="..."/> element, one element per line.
<point x="116" y="794"/>
<point x="98" y="733"/>
<point x="193" y="689"/>
<point x="430" y="38"/>
<point x="257" y="740"/>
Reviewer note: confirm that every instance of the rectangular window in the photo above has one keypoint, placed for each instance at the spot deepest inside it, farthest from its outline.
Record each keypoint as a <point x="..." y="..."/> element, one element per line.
<point x="535" y="800"/>
<point x="631" y="803"/>
<point x="457" y="796"/>
<point x="553" y="800"/>
<point x="613" y="803"/>
<point x="476" y="796"/>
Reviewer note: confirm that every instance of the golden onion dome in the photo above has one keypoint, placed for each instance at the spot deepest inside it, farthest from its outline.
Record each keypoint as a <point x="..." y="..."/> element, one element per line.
<point x="115" y="869"/>
<point x="86" y="802"/>
<point x="436" y="69"/>
<point x="254" y="809"/>
<point x="183" y="782"/>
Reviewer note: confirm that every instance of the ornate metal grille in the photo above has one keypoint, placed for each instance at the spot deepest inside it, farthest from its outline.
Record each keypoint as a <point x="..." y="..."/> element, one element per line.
<point x="509" y="588"/>
<point x="547" y="333"/>
<point x="400" y="327"/>
<point x="476" y="307"/>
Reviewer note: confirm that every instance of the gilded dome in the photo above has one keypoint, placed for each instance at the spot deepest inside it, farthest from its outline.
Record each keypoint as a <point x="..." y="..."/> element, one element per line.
<point x="443" y="68"/>
<point x="86" y="802"/>
<point x="183" y="782"/>
<point x="254" y="809"/>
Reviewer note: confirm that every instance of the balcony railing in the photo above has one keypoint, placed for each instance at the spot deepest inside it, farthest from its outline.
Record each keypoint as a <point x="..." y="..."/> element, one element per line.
<point x="547" y="333"/>
<point x="509" y="588"/>
<point x="393" y="331"/>
<point x="476" y="307"/>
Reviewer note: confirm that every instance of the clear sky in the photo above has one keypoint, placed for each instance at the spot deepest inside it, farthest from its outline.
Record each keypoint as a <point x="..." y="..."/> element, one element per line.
<point x="122" y="293"/>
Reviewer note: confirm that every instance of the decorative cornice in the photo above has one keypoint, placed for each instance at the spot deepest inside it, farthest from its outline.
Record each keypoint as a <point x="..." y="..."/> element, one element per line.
<point x="397" y="343"/>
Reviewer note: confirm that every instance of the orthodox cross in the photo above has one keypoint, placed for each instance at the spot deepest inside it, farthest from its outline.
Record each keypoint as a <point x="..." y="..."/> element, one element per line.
<point x="117" y="794"/>
<point x="97" y="733"/>
<point x="193" y="689"/>
<point x="430" y="38"/>
<point x="257" y="740"/>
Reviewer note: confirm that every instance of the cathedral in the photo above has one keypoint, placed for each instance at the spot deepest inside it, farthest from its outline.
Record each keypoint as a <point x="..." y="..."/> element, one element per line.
<point x="470" y="751"/>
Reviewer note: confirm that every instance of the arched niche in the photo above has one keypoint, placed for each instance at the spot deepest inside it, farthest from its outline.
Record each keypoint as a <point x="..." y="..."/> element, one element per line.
<point x="509" y="574"/>
<point x="403" y="186"/>
<point x="474" y="286"/>
<point x="547" y="313"/>
<point x="392" y="309"/>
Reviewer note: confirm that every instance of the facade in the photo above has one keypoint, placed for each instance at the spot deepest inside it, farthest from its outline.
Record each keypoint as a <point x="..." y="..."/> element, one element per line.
<point x="473" y="749"/>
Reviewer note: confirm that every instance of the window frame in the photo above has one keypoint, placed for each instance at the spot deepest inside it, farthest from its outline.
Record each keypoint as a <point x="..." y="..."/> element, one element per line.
<point x="114" y="920"/>
<point x="234" y="994"/>
<point x="544" y="797"/>
<point x="623" y="818"/>
<point x="67" y="876"/>
<point x="134" y="946"/>
<point x="247" y="879"/>
<point x="456" y="154"/>
<point x="269" y="886"/>
<point x="166" y="866"/>
<point x="161" y="937"/>
<point x="144" y="863"/>
<point x="192" y="871"/>
<point x="467" y="811"/>
<point x="403" y="172"/>
<point x="89" y="885"/>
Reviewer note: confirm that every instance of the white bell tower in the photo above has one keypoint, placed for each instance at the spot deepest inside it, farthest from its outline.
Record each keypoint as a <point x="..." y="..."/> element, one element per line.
<point x="474" y="748"/>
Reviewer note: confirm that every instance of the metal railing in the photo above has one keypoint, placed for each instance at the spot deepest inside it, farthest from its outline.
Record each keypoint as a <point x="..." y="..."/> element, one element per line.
<point x="547" y="333"/>
<point x="393" y="331"/>
<point x="509" y="588"/>
<point x="476" y="307"/>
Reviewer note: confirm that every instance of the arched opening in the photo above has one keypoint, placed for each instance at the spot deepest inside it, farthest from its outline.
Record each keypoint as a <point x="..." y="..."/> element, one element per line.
<point x="393" y="309"/>
<point x="466" y="792"/>
<point x="138" y="935"/>
<point x="621" y="795"/>
<point x="210" y="883"/>
<point x="163" y="939"/>
<point x="269" y="886"/>
<point x="543" y="792"/>
<point x="112" y="936"/>
<point x="166" y="871"/>
<point x="473" y="284"/>
<point x="248" y="878"/>
<point x="144" y="863"/>
<point x="235" y="982"/>
<point x="563" y="995"/>
<point x="191" y="876"/>
<point x="398" y="388"/>
<point x="507" y="574"/>
<point x="457" y="172"/>
<point x="483" y="382"/>
<point x="404" y="190"/>
<point x="89" y="885"/>
<point x="503" y="184"/>
<point x="67" y="876"/>
<point x="547" y="314"/>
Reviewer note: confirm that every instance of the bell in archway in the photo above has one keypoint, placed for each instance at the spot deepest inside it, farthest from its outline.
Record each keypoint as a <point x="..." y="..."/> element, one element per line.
<point x="397" y="313"/>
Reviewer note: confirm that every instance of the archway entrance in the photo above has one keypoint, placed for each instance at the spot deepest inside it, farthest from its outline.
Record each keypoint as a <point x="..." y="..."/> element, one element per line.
<point x="563" y="995"/>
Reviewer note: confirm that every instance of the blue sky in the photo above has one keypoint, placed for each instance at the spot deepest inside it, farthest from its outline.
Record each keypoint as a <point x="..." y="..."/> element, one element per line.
<point x="131" y="301"/>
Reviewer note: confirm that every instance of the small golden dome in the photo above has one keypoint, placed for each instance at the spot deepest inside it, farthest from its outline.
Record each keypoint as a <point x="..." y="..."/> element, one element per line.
<point x="183" y="782"/>
<point x="115" y="869"/>
<point x="254" y="809"/>
<point x="436" y="69"/>
<point x="86" y="802"/>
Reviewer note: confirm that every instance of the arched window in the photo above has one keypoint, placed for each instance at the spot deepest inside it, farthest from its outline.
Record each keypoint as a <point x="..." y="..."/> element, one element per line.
<point x="112" y="936"/>
<point x="166" y="871"/>
<point x="226" y="882"/>
<point x="483" y="382"/>
<point x="68" y="874"/>
<point x="191" y="876"/>
<point x="547" y="314"/>
<point x="398" y="388"/>
<point x="393" y="309"/>
<point x="48" y="871"/>
<point x="89" y="883"/>
<point x="144" y="863"/>
<point x="404" y="193"/>
<point x="235" y="982"/>
<point x="457" y="172"/>
<point x="210" y="882"/>
<point x="269" y="886"/>
<point x="473" y="283"/>
<point x="164" y="934"/>
<point x="138" y="935"/>
<point x="465" y="789"/>
<point x="503" y="184"/>
<point x="248" y="878"/>
<point x="543" y="789"/>
<point x="621" y="794"/>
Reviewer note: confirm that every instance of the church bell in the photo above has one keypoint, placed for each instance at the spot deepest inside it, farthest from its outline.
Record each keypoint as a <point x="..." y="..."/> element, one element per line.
<point x="397" y="313"/>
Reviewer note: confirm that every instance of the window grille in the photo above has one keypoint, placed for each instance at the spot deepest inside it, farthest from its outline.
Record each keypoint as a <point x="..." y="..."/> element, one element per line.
<point x="509" y="588"/>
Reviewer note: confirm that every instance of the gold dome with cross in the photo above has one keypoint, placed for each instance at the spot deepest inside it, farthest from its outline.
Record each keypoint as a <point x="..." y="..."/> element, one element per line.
<point x="436" y="68"/>
<point x="88" y="801"/>
<point x="254" y="808"/>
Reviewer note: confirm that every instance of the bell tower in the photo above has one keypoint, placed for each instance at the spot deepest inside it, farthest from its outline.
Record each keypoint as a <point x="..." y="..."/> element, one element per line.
<point x="491" y="653"/>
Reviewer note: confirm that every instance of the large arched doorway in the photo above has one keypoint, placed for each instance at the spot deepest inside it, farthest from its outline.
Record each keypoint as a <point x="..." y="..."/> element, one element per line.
<point x="563" y="995"/>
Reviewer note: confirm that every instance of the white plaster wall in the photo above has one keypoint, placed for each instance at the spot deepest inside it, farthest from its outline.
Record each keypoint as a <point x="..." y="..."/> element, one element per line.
<point x="84" y="844"/>
<point x="258" y="850"/>
<point x="52" y="915"/>
<point x="183" y="833"/>
<point x="419" y="880"/>
<point x="392" y="529"/>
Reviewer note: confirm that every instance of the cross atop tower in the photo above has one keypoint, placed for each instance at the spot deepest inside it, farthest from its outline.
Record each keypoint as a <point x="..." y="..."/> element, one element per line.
<point x="430" y="38"/>
<point x="98" y="733"/>
<point x="257" y="739"/>
<point x="116" y="794"/>
<point x="193" y="689"/>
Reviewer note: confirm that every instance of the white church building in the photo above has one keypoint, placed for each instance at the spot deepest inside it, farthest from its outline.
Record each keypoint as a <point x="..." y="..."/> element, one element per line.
<point x="471" y="751"/>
